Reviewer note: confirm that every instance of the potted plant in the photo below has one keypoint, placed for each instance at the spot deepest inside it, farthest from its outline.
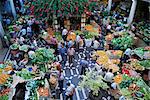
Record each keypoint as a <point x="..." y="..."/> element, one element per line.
<point x="14" y="48"/>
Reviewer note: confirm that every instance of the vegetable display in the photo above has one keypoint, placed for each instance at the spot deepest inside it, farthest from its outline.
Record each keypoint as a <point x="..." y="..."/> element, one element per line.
<point x="43" y="55"/>
<point x="145" y="63"/>
<point x="123" y="42"/>
<point x="93" y="81"/>
<point x="14" y="46"/>
<point x="24" y="48"/>
<point x="134" y="88"/>
<point x="25" y="74"/>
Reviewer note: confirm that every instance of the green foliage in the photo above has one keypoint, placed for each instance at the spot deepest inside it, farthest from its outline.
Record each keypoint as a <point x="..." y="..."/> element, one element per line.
<point x="43" y="55"/>
<point x="4" y="97"/>
<point x="24" y="48"/>
<point x="127" y="81"/>
<point x="14" y="46"/>
<point x="123" y="42"/>
<point x="145" y="63"/>
<point x="93" y="81"/>
<point x="25" y="74"/>
<point x="61" y="7"/>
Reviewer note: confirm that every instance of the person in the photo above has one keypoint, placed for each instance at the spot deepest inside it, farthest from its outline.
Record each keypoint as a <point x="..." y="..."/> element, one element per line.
<point x="23" y="32"/>
<point x="29" y="31"/>
<point x="108" y="28"/>
<point x="64" y="34"/>
<point x="70" y="91"/>
<point x="62" y="52"/>
<point x="96" y="44"/>
<point x="78" y="38"/>
<point x="109" y="76"/>
<point x="70" y="43"/>
<point x="53" y="43"/>
<point x="127" y="54"/>
<point x="61" y="81"/>
<point x="31" y="54"/>
<point x="84" y="65"/>
<point x="71" y="53"/>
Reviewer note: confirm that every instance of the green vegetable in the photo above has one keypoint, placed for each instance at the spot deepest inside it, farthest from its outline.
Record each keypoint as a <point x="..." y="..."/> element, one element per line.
<point x="123" y="42"/>
<point x="24" y="48"/>
<point x="145" y="63"/>
<point x="24" y="73"/>
<point x="4" y="97"/>
<point x="14" y="46"/>
<point x="43" y="55"/>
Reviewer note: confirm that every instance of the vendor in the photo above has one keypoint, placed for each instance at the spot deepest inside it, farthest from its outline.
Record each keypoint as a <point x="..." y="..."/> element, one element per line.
<point x="127" y="54"/>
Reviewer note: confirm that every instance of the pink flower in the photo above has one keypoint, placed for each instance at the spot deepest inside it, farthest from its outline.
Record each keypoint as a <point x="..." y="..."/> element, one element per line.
<point x="40" y="14"/>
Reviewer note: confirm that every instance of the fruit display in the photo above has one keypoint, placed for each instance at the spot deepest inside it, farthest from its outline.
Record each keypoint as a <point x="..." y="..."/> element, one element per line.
<point x="104" y="60"/>
<point x="3" y="78"/>
<point x="71" y="36"/>
<point x="132" y="87"/>
<point x="115" y="54"/>
<point x="118" y="79"/>
<point x="8" y="68"/>
<point x="135" y="65"/>
<point x="109" y="37"/>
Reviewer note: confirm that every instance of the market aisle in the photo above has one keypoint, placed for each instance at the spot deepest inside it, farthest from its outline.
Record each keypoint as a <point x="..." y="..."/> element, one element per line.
<point x="72" y="73"/>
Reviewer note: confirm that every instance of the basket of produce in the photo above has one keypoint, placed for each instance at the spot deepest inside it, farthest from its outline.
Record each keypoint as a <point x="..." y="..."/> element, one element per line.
<point x="14" y="48"/>
<point x="3" y="78"/>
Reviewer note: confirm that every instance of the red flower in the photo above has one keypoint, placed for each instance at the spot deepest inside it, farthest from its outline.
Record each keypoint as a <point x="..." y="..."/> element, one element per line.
<point x="77" y="9"/>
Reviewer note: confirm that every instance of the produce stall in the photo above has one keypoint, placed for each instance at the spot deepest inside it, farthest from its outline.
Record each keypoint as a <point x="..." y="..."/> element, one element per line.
<point x="108" y="59"/>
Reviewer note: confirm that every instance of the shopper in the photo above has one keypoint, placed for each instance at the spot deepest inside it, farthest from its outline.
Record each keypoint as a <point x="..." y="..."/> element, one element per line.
<point x="84" y="65"/>
<point x="61" y="81"/>
<point x="62" y="52"/>
<point x="127" y="54"/>
<point x="70" y="91"/>
<point x="70" y="53"/>
<point x="70" y="43"/>
<point x="64" y="34"/>
<point x="78" y="38"/>
<point x="96" y="44"/>
<point x="109" y="76"/>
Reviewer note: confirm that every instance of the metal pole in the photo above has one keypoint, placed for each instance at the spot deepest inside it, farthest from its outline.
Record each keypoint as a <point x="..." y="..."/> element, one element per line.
<point x="13" y="9"/>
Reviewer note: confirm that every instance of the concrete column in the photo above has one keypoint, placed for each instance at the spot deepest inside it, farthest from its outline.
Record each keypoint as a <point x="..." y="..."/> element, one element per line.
<point x="1" y="34"/>
<point x="109" y="5"/>
<point x="132" y="11"/>
<point x="83" y="20"/>
<point x="13" y="8"/>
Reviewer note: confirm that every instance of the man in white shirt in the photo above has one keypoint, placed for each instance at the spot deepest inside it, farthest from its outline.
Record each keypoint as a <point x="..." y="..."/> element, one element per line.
<point x="71" y="53"/>
<point x="109" y="76"/>
<point x="64" y="34"/>
<point x="70" y="91"/>
<point x="78" y="38"/>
